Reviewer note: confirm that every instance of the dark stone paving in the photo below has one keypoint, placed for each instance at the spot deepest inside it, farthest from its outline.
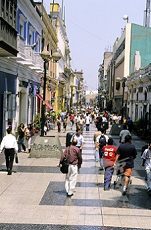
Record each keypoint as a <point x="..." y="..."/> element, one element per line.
<point x="56" y="227"/>
<point x="47" y="169"/>
<point x="136" y="198"/>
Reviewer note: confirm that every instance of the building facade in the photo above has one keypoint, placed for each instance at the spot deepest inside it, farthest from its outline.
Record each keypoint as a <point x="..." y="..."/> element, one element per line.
<point x="29" y="61"/>
<point x="8" y="74"/>
<point x="130" y="52"/>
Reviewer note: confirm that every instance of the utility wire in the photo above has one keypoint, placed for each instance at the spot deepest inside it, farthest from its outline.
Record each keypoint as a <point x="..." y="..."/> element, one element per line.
<point x="87" y="31"/>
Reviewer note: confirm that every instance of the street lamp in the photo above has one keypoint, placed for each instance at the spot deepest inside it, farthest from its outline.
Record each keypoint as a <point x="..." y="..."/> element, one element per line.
<point x="126" y="18"/>
<point x="56" y="56"/>
<point x="45" y="56"/>
<point x="123" y="86"/>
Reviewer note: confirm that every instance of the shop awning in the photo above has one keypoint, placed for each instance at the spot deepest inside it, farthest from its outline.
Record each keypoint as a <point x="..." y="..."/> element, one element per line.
<point x="48" y="105"/>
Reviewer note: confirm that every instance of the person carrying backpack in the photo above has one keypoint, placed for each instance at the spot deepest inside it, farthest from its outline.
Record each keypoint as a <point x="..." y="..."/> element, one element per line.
<point x="101" y="141"/>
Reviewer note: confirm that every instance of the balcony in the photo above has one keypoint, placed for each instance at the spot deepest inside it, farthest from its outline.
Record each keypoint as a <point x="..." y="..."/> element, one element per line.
<point x="21" y="49"/>
<point x="27" y="56"/>
<point x="8" y="39"/>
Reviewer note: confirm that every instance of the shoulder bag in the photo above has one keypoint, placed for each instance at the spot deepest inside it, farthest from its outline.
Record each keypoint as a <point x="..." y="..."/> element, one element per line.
<point x="64" y="165"/>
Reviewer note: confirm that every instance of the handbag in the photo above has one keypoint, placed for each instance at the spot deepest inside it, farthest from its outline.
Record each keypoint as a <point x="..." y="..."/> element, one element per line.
<point x="64" y="164"/>
<point x="16" y="158"/>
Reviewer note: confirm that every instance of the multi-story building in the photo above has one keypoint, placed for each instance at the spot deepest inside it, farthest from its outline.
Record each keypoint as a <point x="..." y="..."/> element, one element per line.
<point x="50" y="46"/>
<point x="139" y="96"/>
<point x="63" y="67"/>
<point x="127" y="50"/>
<point x="8" y="74"/>
<point x="103" y="81"/>
<point x="29" y="61"/>
<point x="80" y="91"/>
<point x="8" y="33"/>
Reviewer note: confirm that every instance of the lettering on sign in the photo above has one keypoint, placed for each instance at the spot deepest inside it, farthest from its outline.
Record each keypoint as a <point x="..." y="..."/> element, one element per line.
<point x="44" y="147"/>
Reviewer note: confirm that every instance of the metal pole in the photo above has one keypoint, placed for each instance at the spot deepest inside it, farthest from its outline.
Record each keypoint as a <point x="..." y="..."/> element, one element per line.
<point x="43" y="107"/>
<point x="123" y="85"/>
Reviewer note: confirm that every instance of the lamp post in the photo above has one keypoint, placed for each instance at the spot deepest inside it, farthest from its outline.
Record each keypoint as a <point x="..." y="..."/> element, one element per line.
<point x="123" y="86"/>
<point x="45" y="56"/>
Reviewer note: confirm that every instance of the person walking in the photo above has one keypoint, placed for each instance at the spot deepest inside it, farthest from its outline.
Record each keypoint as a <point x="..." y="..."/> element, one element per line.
<point x="126" y="152"/>
<point x="146" y="156"/>
<point x="10" y="147"/>
<point x="96" y="134"/>
<point x="101" y="141"/>
<point x="59" y="123"/>
<point x="28" y="135"/>
<point x="109" y="157"/>
<point x="81" y="123"/>
<point x="65" y="123"/>
<point x="79" y="138"/>
<point x="87" y="121"/>
<point x="123" y="133"/>
<point x="21" y="135"/>
<point x="71" y="118"/>
<point x="73" y="154"/>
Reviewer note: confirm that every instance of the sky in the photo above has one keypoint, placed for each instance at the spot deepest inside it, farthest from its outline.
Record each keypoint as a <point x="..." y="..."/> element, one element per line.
<point x="92" y="28"/>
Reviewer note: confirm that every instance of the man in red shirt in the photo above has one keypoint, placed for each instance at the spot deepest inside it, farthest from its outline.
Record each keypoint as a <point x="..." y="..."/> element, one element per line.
<point x="109" y="157"/>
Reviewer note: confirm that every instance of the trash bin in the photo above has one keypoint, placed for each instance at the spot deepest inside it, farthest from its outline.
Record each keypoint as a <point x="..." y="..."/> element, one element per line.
<point x="68" y="138"/>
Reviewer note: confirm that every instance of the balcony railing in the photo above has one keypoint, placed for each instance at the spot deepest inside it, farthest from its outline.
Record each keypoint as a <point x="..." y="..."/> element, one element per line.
<point x="27" y="55"/>
<point x="8" y="39"/>
<point x="21" y="48"/>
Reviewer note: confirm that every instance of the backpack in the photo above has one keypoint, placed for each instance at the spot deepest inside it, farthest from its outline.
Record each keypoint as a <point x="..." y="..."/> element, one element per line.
<point x="102" y="141"/>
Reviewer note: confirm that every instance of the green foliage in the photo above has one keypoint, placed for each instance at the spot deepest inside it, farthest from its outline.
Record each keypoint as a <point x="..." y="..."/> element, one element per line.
<point x="37" y="121"/>
<point x="139" y="124"/>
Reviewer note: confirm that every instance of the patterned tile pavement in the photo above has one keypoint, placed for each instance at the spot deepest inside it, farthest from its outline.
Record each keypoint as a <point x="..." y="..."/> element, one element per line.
<point x="34" y="197"/>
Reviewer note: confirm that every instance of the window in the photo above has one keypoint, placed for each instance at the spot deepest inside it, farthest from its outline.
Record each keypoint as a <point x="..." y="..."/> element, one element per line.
<point x="137" y="96"/>
<point x="136" y="112"/>
<point x="30" y="39"/>
<point x="21" y="31"/>
<point x="117" y="85"/>
<point x="140" y="89"/>
<point x="145" y="96"/>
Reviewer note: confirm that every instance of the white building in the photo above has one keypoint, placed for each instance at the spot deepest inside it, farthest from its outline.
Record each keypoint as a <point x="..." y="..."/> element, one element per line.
<point x="29" y="64"/>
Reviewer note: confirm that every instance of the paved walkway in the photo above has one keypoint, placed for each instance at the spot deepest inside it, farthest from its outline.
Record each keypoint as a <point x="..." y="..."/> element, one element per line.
<point x="34" y="197"/>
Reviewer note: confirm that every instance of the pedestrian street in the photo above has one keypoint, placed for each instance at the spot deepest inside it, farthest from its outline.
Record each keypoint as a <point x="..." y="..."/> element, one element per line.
<point x="34" y="197"/>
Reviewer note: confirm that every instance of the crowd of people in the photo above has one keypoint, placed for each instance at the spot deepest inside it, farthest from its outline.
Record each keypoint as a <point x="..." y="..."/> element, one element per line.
<point x="11" y="145"/>
<point x="119" y="157"/>
<point x="106" y="153"/>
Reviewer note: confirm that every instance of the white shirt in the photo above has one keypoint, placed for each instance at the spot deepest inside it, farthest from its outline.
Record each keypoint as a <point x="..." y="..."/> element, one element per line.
<point x="87" y="120"/>
<point x="147" y="157"/>
<point x="9" y="142"/>
<point x="80" y="140"/>
<point x="104" y="119"/>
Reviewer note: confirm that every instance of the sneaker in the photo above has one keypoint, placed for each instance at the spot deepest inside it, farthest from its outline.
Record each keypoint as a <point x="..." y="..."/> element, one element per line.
<point x="101" y="168"/>
<point x="69" y="195"/>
